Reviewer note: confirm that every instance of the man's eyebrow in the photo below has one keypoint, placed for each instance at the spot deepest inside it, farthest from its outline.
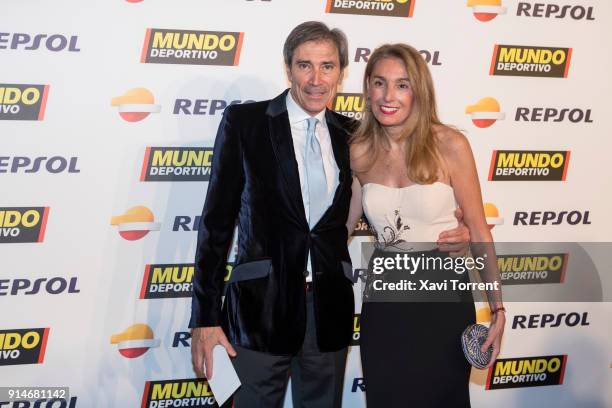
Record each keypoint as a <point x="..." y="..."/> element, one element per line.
<point x="300" y="61"/>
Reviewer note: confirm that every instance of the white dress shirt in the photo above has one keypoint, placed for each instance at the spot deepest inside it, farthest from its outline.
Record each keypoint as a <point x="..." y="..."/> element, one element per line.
<point x="299" y="125"/>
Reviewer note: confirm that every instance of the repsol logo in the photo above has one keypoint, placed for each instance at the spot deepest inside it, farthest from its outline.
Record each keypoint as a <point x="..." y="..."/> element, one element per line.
<point x="52" y="286"/>
<point x="358" y="385"/>
<point x="176" y="164"/>
<point x="362" y="228"/>
<point x="573" y="217"/>
<point x="526" y="372"/>
<point x="41" y="403"/>
<point x="574" y="115"/>
<point x="186" y="223"/>
<point x="167" y="46"/>
<point x="551" y="10"/>
<point x="23" y="102"/>
<point x="23" y="346"/>
<point x="362" y="54"/>
<point x="537" y="321"/>
<point x="23" y="224"/>
<point x="524" y="269"/>
<point x="181" y="339"/>
<point x="209" y="107"/>
<point x="25" y="164"/>
<point x="348" y="104"/>
<point x="190" y="392"/>
<point x="53" y="42"/>
<point x="390" y="8"/>
<point x="530" y="61"/>
<point x="162" y="281"/>
<point x="356" y="330"/>
<point x="359" y="274"/>
<point x="528" y="165"/>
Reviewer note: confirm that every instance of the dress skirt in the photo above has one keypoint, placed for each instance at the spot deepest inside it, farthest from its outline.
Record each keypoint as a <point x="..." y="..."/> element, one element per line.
<point x="411" y="353"/>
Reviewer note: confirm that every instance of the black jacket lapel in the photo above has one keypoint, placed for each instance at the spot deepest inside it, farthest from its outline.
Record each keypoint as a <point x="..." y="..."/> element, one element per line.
<point x="339" y="140"/>
<point x="282" y="143"/>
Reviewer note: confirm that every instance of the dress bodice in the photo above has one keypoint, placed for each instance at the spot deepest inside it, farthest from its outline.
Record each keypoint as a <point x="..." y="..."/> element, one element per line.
<point x="409" y="217"/>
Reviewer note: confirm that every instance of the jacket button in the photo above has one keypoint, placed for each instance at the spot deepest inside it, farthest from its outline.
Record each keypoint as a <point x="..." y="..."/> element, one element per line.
<point x="305" y="274"/>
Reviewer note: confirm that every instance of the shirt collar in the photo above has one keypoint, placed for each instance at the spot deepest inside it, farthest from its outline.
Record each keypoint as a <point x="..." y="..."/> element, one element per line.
<point x="297" y="114"/>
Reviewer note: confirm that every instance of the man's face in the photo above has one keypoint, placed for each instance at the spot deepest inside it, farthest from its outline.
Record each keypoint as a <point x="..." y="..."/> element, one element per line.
<point x="314" y="74"/>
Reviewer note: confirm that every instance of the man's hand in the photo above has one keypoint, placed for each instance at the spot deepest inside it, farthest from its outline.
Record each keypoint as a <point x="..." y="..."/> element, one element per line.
<point x="496" y="331"/>
<point x="203" y="340"/>
<point x="455" y="241"/>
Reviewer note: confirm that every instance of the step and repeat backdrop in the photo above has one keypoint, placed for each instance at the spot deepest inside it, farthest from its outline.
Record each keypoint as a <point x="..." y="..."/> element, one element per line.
<point x="108" y="114"/>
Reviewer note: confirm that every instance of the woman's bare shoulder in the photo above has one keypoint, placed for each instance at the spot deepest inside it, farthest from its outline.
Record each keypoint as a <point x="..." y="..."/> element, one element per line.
<point x="451" y="142"/>
<point x="360" y="156"/>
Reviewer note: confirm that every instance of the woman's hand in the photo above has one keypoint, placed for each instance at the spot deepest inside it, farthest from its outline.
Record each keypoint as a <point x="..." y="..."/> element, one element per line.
<point x="496" y="332"/>
<point x="456" y="241"/>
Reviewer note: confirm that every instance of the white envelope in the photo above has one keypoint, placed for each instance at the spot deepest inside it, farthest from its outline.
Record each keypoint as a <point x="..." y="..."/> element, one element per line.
<point x="224" y="381"/>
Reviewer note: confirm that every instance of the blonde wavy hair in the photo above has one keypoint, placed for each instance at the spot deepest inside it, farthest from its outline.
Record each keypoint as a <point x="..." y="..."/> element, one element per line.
<point x="422" y="155"/>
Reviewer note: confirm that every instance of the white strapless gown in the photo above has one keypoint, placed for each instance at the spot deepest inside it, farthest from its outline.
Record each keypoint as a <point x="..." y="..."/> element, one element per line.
<point x="410" y="351"/>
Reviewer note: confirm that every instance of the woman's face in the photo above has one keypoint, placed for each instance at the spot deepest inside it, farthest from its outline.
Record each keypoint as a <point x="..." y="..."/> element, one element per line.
<point x="390" y="93"/>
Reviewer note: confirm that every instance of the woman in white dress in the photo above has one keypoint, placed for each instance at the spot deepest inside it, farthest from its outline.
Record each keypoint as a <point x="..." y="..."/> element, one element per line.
<point x="410" y="174"/>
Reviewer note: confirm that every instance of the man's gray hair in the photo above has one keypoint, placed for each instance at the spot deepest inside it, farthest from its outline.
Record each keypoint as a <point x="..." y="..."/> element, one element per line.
<point x="315" y="31"/>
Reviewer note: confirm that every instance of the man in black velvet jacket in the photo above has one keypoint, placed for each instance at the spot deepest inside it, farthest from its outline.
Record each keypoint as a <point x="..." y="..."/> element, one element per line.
<point x="279" y="314"/>
<point x="289" y="303"/>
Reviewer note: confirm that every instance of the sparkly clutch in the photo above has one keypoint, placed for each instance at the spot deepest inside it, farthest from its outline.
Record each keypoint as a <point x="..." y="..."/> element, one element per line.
<point x="472" y="339"/>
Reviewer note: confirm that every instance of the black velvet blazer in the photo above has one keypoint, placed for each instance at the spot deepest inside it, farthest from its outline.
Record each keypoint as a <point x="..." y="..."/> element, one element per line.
<point x="255" y="181"/>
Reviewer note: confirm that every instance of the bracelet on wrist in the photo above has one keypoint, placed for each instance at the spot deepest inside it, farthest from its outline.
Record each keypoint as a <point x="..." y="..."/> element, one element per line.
<point x="499" y="309"/>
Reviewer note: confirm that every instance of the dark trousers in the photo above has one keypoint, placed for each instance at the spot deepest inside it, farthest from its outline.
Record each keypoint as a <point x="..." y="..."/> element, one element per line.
<point x="316" y="377"/>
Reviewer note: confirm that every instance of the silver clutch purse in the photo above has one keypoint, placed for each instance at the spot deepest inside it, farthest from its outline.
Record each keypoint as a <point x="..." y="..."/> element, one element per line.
<point x="472" y="339"/>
